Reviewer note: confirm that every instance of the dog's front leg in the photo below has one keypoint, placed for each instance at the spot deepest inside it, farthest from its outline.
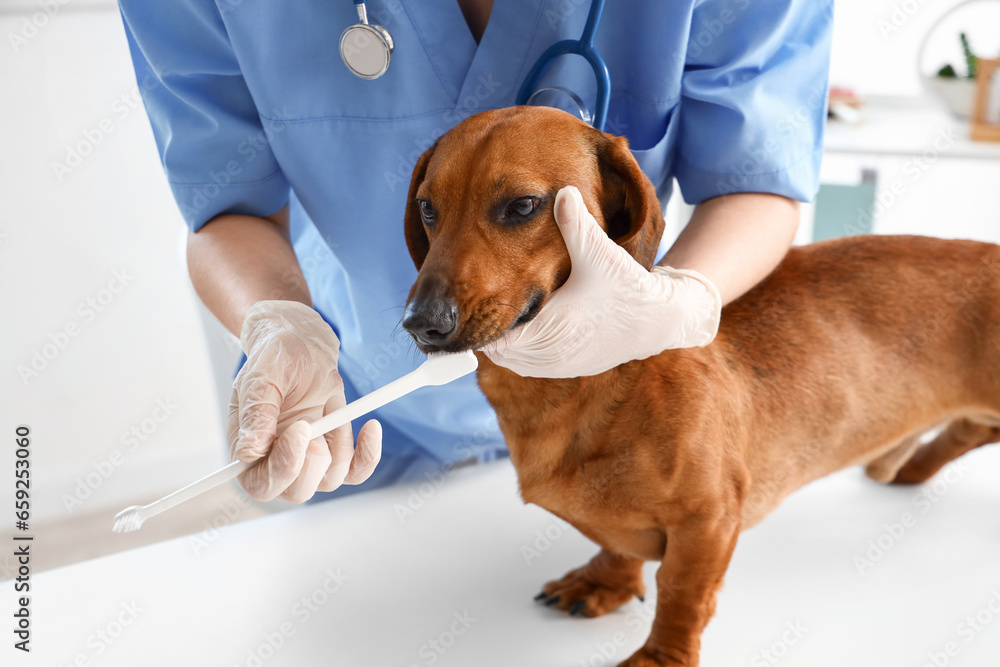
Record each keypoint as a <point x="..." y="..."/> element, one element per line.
<point x="697" y="556"/>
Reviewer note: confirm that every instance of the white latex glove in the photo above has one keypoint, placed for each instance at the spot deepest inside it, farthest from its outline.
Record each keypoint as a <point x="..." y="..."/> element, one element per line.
<point x="611" y="310"/>
<point x="289" y="380"/>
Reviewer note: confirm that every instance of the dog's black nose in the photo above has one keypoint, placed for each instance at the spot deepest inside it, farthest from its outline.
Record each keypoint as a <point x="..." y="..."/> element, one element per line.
<point x="432" y="320"/>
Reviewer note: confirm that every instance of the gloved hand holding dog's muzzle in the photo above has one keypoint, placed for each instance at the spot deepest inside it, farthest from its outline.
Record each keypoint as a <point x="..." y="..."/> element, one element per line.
<point x="611" y="310"/>
<point x="289" y="380"/>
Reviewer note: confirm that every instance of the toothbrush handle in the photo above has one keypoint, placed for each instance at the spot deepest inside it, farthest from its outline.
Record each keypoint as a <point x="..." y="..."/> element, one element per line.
<point x="441" y="372"/>
<point x="367" y="403"/>
<point x="221" y="475"/>
<point x="363" y="405"/>
<point x="337" y="418"/>
<point x="437" y="370"/>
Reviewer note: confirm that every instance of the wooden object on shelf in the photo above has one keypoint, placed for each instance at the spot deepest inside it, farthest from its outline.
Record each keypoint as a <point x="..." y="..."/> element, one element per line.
<point x="985" y="119"/>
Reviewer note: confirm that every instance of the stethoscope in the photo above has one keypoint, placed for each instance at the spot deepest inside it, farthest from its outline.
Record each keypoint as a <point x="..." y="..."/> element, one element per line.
<point x="367" y="49"/>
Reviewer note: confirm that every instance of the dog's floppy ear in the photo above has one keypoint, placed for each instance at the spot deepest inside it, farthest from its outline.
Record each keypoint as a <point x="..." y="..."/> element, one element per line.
<point x="630" y="207"/>
<point x="416" y="237"/>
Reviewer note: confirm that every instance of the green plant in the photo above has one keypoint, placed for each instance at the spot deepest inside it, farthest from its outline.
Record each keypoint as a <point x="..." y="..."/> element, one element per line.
<point x="948" y="72"/>
<point x="971" y="60"/>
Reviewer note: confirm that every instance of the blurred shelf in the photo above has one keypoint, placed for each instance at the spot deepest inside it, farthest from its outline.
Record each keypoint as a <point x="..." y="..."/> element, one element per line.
<point x="907" y="126"/>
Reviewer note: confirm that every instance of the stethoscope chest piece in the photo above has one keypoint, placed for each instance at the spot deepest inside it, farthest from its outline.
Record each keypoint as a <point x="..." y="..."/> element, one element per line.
<point x="366" y="48"/>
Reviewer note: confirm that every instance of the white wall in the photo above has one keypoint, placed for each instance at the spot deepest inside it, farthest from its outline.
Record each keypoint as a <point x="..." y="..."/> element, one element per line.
<point x="876" y="42"/>
<point x="62" y="239"/>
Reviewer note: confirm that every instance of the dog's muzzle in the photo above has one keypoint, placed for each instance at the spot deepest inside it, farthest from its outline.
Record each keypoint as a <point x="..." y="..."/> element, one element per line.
<point x="431" y="317"/>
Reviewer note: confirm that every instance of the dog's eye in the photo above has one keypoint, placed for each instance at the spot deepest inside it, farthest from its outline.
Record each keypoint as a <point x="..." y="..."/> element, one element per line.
<point x="522" y="207"/>
<point x="427" y="212"/>
<point x="517" y="212"/>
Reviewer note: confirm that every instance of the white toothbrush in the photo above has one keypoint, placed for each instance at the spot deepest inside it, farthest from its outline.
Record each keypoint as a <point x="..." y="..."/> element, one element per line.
<point x="437" y="370"/>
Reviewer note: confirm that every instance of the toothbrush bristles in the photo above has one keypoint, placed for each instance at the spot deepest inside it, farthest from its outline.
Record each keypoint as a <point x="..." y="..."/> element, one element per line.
<point x="127" y="523"/>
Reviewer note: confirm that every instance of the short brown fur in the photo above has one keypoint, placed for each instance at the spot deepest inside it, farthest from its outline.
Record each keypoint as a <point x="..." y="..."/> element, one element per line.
<point x="844" y="355"/>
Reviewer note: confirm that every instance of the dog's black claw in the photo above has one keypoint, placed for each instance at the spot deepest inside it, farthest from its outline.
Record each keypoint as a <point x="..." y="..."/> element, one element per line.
<point x="577" y="608"/>
<point x="540" y="596"/>
<point x="552" y="600"/>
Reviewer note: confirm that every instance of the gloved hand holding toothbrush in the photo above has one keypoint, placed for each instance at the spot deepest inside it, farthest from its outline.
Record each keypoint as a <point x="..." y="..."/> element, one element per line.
<point x="289" y="380"/>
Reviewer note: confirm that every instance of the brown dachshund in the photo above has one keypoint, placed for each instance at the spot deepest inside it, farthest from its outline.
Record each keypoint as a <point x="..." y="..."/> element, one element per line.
<point x="846" y="354"/>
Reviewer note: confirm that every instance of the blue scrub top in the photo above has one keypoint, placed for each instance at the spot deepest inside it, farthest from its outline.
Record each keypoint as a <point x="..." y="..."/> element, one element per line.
<point x="252" y="109"/>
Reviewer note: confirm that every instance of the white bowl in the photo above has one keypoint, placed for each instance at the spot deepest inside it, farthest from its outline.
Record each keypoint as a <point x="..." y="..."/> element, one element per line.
<point x="956" y="94"/>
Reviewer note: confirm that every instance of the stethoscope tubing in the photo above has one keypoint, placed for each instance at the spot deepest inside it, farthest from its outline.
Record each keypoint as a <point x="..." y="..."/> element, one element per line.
<point x="582" y="47"/>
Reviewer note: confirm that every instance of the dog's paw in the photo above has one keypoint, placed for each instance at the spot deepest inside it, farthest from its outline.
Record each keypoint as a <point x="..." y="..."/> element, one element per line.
<point x="580" y="595"/>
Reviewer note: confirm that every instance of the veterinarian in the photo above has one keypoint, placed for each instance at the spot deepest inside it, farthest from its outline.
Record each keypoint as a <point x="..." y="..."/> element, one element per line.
<point x="292" y="174"/>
